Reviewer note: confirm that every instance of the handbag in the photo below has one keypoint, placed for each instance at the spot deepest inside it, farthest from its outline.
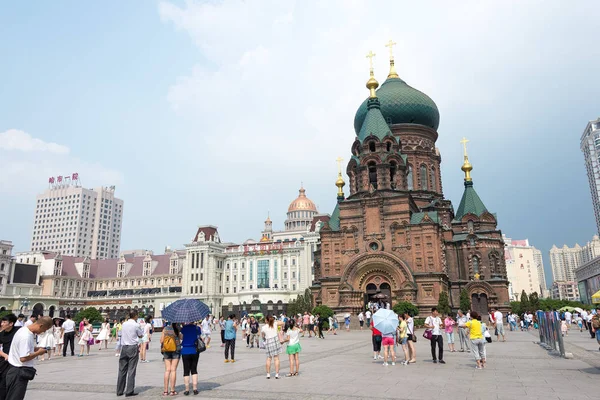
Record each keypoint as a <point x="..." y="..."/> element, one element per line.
<point x="428" y="334"/>
<point x="28" y="372"/>
<point x="200" y="345"/>
<point x="413" y="337"/>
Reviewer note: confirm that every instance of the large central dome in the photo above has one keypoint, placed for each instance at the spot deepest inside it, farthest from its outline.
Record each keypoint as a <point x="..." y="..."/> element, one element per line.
<point x="401" y="104"/>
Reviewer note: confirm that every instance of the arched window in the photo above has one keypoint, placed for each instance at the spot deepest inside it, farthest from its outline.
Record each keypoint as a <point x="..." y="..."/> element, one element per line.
<point x="393" y="169"/>
<point x="432" y="179"/>
<point x="475" y="265"/>
<point x="373" y="174"/>
<point x="423" y="177"/>
<point x="388" y="146"/>
<point x="409" y="178"/>
<point x="470" y="226"/>
<point x="372" y="147"/>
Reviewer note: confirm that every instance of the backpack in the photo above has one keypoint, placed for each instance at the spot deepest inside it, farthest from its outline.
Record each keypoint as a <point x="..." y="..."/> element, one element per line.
<point x="169" y="344"/>
<point x="596" y="322"/>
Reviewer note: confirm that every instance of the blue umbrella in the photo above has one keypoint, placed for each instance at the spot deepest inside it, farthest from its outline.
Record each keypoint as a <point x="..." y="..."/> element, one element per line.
<point x="185" y="310"/>
<point x="385" y="321"/>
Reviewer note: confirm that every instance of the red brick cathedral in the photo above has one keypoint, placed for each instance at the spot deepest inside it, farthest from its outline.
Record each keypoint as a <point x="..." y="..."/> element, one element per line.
<point x="396" y="234"/>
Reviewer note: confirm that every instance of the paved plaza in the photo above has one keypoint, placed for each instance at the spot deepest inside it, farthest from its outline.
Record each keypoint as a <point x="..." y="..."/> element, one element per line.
<point x="342" y="367"/>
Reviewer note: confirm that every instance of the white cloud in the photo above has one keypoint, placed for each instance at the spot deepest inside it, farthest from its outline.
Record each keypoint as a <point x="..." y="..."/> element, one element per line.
<point x="27" y="163"/>
<point x="14" y="139"/>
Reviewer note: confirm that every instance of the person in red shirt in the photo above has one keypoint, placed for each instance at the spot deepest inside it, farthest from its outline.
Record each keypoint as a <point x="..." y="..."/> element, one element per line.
<point x="376" y="338"/>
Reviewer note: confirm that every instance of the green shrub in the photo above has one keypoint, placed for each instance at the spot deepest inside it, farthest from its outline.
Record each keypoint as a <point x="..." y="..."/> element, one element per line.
<point x="406" y="306"/>
<point x="419" y="322"/>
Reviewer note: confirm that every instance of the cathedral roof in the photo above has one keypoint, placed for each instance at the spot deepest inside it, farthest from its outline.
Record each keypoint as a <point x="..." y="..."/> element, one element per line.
<point x="374" y="123"/>
<point x="334" y="221"/>
<point x="401" y="104"/>
<point x="302" y="203"/>
<point x="470" y="203"/>
<point x="423" y="217"/>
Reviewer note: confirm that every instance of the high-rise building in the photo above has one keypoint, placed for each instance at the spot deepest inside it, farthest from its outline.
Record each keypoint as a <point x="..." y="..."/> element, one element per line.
<point x="565" y="291"/>
<point x="523" y="268"/>
<point x="6" y="261"/>
<point x="539" y="264"/>
<point x="75" y="221"/>
<point x="590" y="146"/>
<point x="566" y="260"/>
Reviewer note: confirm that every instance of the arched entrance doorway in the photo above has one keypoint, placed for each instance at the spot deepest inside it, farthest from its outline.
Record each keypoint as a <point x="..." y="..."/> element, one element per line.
<point x="479" y="303"/>
<point x="51" y="311"/>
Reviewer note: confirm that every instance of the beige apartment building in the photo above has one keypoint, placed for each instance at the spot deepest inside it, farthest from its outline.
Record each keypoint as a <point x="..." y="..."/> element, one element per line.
<point x="524" y="268"/>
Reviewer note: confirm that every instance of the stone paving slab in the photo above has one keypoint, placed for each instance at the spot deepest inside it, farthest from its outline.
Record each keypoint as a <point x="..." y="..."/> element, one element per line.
<point x="339" y="367"/>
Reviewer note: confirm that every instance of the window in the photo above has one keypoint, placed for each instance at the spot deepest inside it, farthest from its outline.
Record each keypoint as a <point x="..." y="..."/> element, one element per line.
<point x="470" y="226"/>
<point x="432" y="179"/>
<point x="251" y="274"/>
<point x="372" y="174"/>
<point x="409" y="178"/>
<point x="423" y="177"/>
<point x="262" y="267"/>
<point x="393" y="169"/>
<point x="475" y="265"/>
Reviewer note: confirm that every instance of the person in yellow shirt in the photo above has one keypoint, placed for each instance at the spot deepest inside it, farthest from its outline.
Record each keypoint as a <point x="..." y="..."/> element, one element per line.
<point x="403" y="338"/>
<point x="477" y="339"/>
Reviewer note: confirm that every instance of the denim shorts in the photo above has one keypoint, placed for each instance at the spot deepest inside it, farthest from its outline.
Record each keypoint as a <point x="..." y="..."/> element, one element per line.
<point x="171" y="355"/>
<point x="403" y="341"/>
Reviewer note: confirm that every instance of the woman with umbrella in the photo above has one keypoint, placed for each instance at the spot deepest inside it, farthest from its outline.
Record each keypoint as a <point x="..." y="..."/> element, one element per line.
<point x="386" y="321"/>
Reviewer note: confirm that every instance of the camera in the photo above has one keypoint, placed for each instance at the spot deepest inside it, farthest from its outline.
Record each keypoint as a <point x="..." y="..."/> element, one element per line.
<point x="47" y="348"/>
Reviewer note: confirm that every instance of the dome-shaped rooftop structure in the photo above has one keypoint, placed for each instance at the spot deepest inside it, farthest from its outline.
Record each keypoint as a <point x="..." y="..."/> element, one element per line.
<point x="401" y="104"/>
<point x="300" y="212"/>
<point x="302" y="203"/>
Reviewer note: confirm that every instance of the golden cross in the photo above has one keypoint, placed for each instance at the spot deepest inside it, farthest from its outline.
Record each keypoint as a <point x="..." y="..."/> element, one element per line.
<point x="339" y="161"/>
<point x="464" y="142"/>
<point x="370" y="57"/>
<point x="391" y="45"/>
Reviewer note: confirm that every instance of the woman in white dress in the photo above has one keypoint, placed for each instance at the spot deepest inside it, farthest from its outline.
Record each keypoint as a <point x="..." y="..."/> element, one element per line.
<point x="46" y="340"/>
<point x="104" y="334"/>
<point x="86" y="339"/>
<point x="58" y="339"/>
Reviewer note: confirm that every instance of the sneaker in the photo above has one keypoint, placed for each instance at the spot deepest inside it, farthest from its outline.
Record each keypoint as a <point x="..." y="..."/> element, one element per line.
<point x="385" y="364"/>
<point x="478" y="367"/>
<point x="380" y="357"/>
<point x="232" y="361"/>
<point x="374" y="357"/>
<point x="226" y="361"/>
<point x="393" y="363"/>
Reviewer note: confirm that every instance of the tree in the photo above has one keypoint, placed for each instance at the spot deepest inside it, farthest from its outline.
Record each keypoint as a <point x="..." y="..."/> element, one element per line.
<point x="515" y="307"/>
<point x="534" y="301"/>
<point x="5" y="313"/>
<point x="308" y="299"/>
<point x="90" y="313"/>
<point x="525" y="306"/>
<point x="465" y="301"/>
<point x="406" y="307"/>
<point x="324" y="312"/>
<point x="443" y="304"/>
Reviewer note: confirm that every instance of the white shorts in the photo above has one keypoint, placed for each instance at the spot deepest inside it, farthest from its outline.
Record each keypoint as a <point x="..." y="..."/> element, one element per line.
<point x="206" y="333"/>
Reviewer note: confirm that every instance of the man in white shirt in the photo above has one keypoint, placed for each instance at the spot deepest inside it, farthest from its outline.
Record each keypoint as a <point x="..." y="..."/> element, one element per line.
<point x="31" y="320"/>
<point x="462" y="331"/>
<point x="206" y="329"/>
<point x="368" y="315"/>
<point x="21" y="356"/>
<point x="130" y="354"/>
<point x="568" y="318"/>
<point x="20" y="321"/>
<point x="361" y="320"/>
<point x="498" y="318"/>
<point x="434" y="323"/>
<point x="68" y="335"/>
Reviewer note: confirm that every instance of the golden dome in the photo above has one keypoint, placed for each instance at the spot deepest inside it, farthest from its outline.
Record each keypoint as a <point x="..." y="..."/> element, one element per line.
<point x="302" y="203"/>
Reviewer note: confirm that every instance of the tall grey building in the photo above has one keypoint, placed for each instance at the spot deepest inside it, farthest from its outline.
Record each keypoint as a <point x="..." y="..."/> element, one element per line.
<point x="590" y="146"/>
<point x="76" y="221"/>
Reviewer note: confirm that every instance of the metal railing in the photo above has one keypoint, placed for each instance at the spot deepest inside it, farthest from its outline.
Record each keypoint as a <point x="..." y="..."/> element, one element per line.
<point x="549" y="330"/>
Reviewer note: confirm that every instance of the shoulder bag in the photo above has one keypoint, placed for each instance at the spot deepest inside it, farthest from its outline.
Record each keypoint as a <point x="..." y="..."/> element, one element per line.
<point x="27" y="373"/>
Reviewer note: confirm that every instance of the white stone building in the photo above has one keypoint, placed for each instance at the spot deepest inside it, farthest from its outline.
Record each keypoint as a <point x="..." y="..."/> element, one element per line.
<point x="6" y="261"/>
<point x="76" y="221"/>
<point x="565" y="290"/>
<point x="524" y="268"/>
<point x="590" y="147"/>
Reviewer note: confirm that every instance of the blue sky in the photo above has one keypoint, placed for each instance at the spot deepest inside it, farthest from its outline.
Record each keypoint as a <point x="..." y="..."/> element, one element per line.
<point x="214" y="112"/>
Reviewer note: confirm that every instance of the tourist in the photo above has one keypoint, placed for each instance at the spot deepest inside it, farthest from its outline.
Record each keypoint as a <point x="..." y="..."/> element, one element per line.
<point x="411" y="338"/>
<point x="170" y="338"/>
<point x="146" y="338"/>
<point x="22" y="353"/>
<point x="85" y="339"/>
<point x="335" y="324"/>
<point x="589" y="323"/>
<point x="568" y="317"/>
<point x="449" y="330"/>
<point x="388" y="340"/>
<point x="347" y="321"/>
<point x="330" y="321"/>
<point x="434" y="323"/>
<point x="128" y="360"/>
<point x="311" y="324"/>
<point x="189" y="354"/>
<point x="319" y="322"/>
<point x="8" y="328"/>
<point x="564" y="327"/>
<point x="580" y="323"/>
<point x="477" y="341"/>
<point x="462" y="331"/>
<point x="230" y="330"/>
<point x="46" y="340"/>
<point x="499" y="321"/>
<point x="113" y="331"/>
<point x="584" y="315"/>
<point x="376" y="339"/>
<point x="292" y="337"/>
<point x="31" y="320"/>
<point x="595" y="322"/>
<point x="68" y="335"/>
<point x="306" y="324"/>
<point x="103" y="334"/>
<point x="361" y="320"/>
<point x="512" y="322"/>
<point x="222" y="328"/>
<point x="119" y="344"/>
<point x="20" y="321"/>
<point x="244" y="328"/>
<point x="254" y="334"/>
<point x="206" y="330"/>
<point x="58" y="339"/>
<point x="368" y="317"/>
<point x="272" y="344"/>
<point x="82" y="325"/>
<point x="403" y="338"/>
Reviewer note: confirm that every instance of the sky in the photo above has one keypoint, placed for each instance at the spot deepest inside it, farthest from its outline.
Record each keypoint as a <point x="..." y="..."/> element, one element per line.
<point x="214" y="112"/>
